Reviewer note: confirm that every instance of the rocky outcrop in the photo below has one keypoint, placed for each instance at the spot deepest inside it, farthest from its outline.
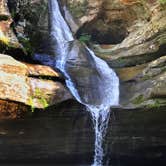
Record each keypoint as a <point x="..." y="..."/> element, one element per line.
<point x="140" y="24"/>
<point x="30" y="23"/>
<point x="64" y="134"/>
<point x="141" y="53"/>
<point x="109" y="21"/>
<point x="8" y="41"/>
<point x="140" y="29"/>
<point x="149" y="87"/>
<point x="143" y="45"/>
<point x="24" y="83"/>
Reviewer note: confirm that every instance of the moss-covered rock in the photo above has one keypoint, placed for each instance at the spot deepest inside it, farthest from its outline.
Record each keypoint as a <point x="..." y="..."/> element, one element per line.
<point x="30" y="23"/>
<point x="25" y="83"/>
<point x="8" y="41"/>
<point x="147" y="88"/>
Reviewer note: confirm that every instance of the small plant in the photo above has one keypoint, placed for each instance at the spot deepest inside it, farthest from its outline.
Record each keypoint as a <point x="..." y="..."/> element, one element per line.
<point x="3" y="17"/>
<point x="85" y="38"/>
<point x="40" y="98"/>
<point x="156" y="104"/>
<point x="138" y="100"/>
<point x="31" y="103"/>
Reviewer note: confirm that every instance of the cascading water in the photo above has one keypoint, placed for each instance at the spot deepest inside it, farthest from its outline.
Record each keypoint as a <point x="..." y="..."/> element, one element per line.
<point x="98" y="89"/>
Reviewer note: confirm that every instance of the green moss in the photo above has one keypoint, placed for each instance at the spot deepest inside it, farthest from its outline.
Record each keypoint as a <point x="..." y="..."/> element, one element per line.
<point x="4" y="42"/>
<point x="78" y="9"/>
<point x="44" y="102"/>
<point x="156" y="104"/>
<point x="31" y="103"/>
<point x="138" y="100"/>
<point x="163" y="2"/>
<point x="27" y="45"/>
<point x="146" y="77"/>
<point x="41" y="98"/>
<point x="85" y="38"/>
<point x="4" y="17"/>
<point x="3" y="39"/>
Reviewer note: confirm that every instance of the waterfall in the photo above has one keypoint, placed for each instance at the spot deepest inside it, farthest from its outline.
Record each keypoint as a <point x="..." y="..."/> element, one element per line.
<point x="97" y="87"/>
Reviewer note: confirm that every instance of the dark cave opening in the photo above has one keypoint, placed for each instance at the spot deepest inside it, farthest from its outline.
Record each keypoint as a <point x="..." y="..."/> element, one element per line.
<point x="101" y="33"/>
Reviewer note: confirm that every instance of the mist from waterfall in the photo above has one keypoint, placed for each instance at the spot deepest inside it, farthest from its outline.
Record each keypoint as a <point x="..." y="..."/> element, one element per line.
<point x="105" y="90"/>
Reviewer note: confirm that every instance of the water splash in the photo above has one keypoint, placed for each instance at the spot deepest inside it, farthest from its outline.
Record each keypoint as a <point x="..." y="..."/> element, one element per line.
<point x="105" y="89"/>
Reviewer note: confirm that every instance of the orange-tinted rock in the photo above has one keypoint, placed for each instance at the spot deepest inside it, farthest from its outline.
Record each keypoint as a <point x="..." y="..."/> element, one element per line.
<point x="8" y="40"/>
<point x="12" y="110"/>
<point x="17" y="84"/>
<point x="40" y="70"/>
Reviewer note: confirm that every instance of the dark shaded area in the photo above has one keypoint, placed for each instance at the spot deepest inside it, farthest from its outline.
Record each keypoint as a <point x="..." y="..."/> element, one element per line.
<point x="35" y="14"/>
<point x="103" y="33"/>
<point x="64" y="135"/>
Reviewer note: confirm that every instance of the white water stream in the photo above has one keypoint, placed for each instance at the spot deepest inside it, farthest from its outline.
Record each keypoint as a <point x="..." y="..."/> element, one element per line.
<point x="107" y="90"/>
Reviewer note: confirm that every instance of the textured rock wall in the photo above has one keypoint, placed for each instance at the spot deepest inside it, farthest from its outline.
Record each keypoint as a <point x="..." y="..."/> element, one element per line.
<point x="140" y="24"/>
<point x="109" y="21"/>
<point x="28" y="84"/>
<point x="30" y="23"/>
<point x="8" y="41"/>
<point x="65" y="136"/>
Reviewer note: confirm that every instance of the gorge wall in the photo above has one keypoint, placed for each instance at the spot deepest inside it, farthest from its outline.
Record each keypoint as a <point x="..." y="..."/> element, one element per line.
<point x="130" y="35"/>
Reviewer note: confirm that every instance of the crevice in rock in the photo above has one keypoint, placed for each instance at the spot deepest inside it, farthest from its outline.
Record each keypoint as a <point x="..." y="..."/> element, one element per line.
<point x="56" y="79"/>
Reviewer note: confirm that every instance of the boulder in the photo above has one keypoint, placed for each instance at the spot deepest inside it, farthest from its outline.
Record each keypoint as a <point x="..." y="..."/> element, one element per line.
<point x="23" y="83"/>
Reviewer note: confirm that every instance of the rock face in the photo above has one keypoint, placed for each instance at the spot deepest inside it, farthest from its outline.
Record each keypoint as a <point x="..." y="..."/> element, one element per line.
<point x="148" y="89"/>
<point x="17" y="83"/>
<point x="108" y="21"/>
<point x="65" y="137"/>
<point x="8" y="40"/>
<point x="142" y="47"/>
<point x="135" y="29"/>
<point x="30" y="23"/>
<point x="64" y="134"/>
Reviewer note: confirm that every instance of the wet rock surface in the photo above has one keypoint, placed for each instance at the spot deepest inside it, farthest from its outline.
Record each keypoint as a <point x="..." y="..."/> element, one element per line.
<point x="144" y="23"/>
<point x="65" y="136"/>
<point x="17" y="83"/>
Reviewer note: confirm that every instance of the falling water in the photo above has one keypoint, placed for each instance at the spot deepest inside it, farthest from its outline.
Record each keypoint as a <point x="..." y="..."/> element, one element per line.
<point x="103" y="83"/>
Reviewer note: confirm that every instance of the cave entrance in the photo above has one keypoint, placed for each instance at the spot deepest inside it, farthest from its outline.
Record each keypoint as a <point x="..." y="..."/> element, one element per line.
<point x="101" y="33"/>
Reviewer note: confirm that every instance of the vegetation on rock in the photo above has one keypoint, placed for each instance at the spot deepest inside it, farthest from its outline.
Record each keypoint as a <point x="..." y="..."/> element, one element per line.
<point x="40" y="97"/>
<point x="85" y="38"/>
<point x="162" y="2"/>
<point x="3" y="39"/>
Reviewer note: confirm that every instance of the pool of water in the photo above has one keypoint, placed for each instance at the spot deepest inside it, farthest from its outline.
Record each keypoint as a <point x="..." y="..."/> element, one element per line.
<point x="64" y="136"/>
